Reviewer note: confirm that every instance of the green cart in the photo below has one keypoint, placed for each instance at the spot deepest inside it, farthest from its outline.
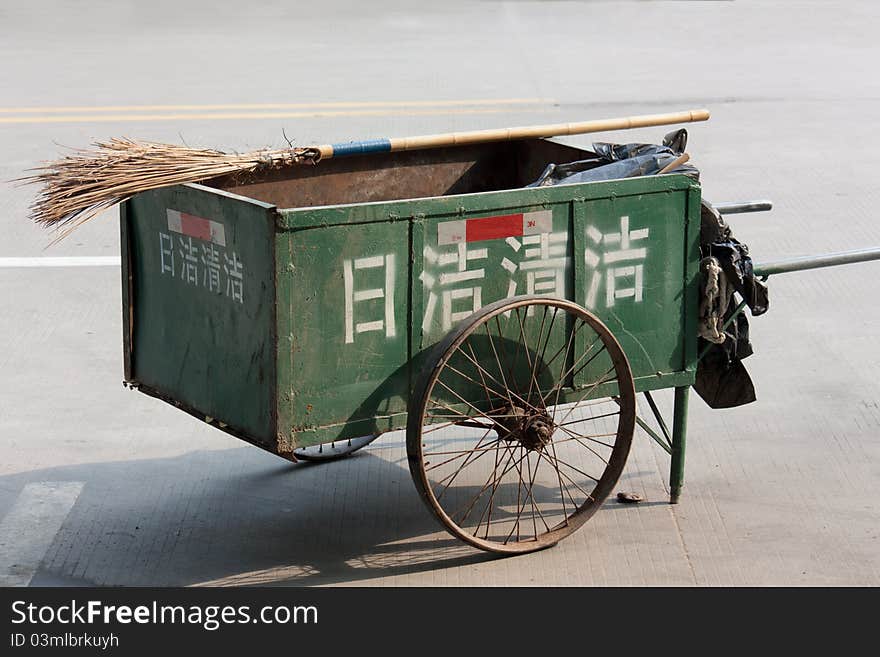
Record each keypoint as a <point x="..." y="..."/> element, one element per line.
<point x="508" y="329"/>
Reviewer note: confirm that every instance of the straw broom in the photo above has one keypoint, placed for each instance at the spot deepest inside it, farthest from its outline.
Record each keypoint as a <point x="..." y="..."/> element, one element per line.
<point x="86" y="182"/>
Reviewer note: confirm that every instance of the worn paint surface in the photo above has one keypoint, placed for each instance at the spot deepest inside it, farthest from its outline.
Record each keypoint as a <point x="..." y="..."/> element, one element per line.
<point x="350" y="325"/>
<point x="203" y="305"/>
<point x="383" y="282"/>
<point x="319" y="319"/>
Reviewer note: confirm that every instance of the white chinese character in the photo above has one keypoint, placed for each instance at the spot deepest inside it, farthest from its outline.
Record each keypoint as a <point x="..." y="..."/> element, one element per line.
<point x="355" y="299"/>
<point x="189" y="270"/>
<point x="166" y="253"/>
<point x="544" y="262"/>
<point x="458" y="295"/>
<point x="234" y="277"/>
<point x="624" y="275"/>
<point x="211" y="262"/>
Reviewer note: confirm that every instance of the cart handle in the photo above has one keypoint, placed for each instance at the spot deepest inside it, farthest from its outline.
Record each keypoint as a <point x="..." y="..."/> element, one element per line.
<point x="765" y="269"/>
<point x="742" y="207"/>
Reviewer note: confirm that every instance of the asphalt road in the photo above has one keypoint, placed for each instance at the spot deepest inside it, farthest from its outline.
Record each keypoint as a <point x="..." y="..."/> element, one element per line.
<point x="100" y="485"/>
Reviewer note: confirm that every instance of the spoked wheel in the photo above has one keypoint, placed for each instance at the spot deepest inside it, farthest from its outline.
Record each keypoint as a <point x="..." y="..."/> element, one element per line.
<point x="521" y="424"/>
<point x="332" y="451"/>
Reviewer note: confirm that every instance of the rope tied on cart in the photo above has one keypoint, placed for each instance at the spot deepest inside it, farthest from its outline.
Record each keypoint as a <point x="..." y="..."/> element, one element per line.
<point x="715" y="296"/>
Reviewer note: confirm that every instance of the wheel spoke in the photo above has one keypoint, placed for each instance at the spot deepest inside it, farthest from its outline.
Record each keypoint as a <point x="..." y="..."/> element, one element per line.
<point x="485" y="387"/>
<point x="488" y="508"/>
<point x="464" y="401"/>
<point x="559" y="461"/>
<point x="437" y="427"/>
<point x="587" y="419"/>
<point x="540" y="359"/>
<point x="466" y="418"/>
<point x="479" y="371"/>
<point x="486" y="485"/>
<point x="463" y="466"/>
<point x="535" y="506"/>
<point x="546" y="365"/>
<point x="525" y="341"/>
<point x="559" y="478"/>
<point x="511" y="370"/>
<point x="461" y="453"/>
<point x="533" y="373"/>
<point x="498" y="362"/>
<point x="592" y="437"/>
<point x="561" y="381"/>
<point x="574" y="436"/>
<point x="508" y="391"/>
<point x="589" y="496"/>
<point x="589" y="391"/>
<point x="564" y="377"/>
<point x="529" y="498"/>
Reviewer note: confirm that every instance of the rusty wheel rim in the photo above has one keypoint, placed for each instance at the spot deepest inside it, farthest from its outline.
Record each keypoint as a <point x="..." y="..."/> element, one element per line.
<point x="522" y="423"/>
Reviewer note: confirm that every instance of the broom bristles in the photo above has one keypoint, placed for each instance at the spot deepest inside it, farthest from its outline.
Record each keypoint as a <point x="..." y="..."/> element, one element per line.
<point x="86" y="182"/>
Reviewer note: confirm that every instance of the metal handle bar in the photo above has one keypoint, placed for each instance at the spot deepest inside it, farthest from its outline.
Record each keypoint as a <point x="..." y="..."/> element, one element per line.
<point x="744" y="206"/>
<point x="765" y="269"/>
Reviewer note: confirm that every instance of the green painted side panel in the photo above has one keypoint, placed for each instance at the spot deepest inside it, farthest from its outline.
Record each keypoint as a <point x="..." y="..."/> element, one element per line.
<point x="336" y="309"/>
<point x="350" y="325"/>
<point x="203" y="306"/>
<point x="452" y="206"/>
<point x="458" y="278"/>
<point x="630" y="270"/>
<point x="376" y="285"/>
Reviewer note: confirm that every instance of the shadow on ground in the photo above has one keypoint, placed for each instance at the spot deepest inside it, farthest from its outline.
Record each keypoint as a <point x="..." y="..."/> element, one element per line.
<point x="243" y="517"/>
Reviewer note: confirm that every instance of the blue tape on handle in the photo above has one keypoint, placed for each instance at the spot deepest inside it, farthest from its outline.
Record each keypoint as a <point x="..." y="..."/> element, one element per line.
<point x="360" y="147"/>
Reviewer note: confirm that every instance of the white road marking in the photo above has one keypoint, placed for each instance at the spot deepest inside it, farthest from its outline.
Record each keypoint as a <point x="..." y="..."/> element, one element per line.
<point x="27" y="531"/>
<point x="72" y="261"/>
<point x="278" y="106"/>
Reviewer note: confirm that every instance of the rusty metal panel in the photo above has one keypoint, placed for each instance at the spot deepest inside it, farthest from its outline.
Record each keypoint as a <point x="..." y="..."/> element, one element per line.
<point x="403" y="175"/>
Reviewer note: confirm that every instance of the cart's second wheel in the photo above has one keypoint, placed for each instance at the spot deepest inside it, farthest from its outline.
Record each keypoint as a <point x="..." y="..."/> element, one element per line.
<point x="333" y="451"/>
<point x="521" y="423"/>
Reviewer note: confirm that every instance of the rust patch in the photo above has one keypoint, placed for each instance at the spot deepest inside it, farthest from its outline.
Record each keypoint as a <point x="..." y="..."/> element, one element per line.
<point x="284" y="446"/>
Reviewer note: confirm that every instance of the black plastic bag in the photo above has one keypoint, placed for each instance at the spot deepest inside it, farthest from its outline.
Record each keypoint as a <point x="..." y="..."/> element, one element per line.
<point x="615" y="161"/>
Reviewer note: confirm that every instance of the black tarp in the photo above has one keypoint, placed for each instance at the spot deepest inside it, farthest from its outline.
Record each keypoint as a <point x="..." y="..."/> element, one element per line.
<point x="615" y="161"/>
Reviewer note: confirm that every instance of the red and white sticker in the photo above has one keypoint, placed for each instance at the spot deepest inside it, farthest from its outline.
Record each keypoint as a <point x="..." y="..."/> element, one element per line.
<point x="493" y="228"/>
<point x="198" y="227"/>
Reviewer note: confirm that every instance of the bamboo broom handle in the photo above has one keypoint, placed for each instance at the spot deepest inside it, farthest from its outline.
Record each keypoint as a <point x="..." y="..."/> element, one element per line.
<point x="508" y="134"/>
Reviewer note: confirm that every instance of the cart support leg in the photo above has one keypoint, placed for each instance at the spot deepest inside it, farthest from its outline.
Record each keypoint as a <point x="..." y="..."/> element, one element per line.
<point x="679" y="434"/>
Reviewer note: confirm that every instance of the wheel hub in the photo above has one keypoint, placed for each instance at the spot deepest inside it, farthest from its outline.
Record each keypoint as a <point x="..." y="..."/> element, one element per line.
<point x="532" y="429"/>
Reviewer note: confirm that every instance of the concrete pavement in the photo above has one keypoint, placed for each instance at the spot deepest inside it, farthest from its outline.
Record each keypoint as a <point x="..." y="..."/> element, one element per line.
<point x="782" y="492"/>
